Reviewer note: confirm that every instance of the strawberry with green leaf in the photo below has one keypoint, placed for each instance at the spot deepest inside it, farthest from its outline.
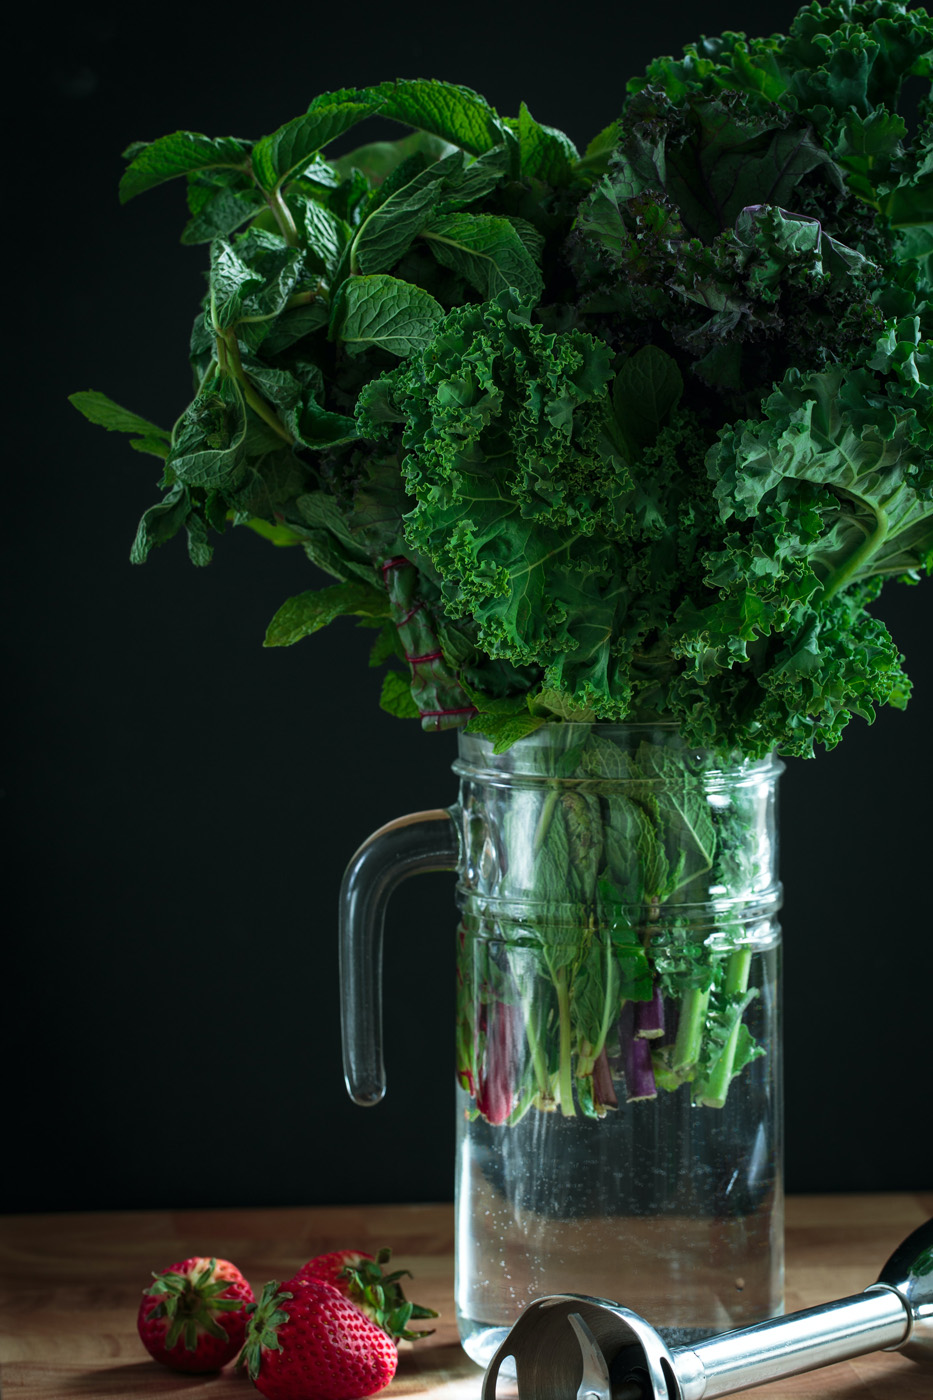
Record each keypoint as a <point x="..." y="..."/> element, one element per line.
<point x="193" y="1317"/>
<point x="309" y="1342"/>
<point x="360" y="1279"/>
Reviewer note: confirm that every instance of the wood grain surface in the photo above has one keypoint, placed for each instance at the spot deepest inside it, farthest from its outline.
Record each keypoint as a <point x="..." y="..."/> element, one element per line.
<point x="70" y="1287"/>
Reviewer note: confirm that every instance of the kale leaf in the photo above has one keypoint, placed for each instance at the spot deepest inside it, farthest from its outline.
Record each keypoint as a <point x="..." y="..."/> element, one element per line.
<point x="648" y="425"/>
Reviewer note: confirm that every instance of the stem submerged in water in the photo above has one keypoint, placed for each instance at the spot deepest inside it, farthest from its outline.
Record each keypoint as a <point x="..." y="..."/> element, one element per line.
<point x="565" y="1064"/>
<point x="693" y="1008"/>
<point x="713" y="1091"/>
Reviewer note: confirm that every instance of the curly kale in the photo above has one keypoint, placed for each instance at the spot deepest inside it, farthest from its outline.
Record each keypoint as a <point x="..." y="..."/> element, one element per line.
<point x="631" y="433"/>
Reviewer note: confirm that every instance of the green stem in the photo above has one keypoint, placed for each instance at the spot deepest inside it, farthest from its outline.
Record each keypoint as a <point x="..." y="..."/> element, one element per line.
<point x="283" y="216"/>
<point x="304" y="298"/>
<point x="693" y="1006"/>
<point x="712" y="1093"/>
<point x="228" y="357"/>
<point x="869" y="546"/>
<point x="588" y="1053"/>
<point x="544" y="821"/>
<point x="565" y="1070"/>
<point x="531" y="1014"/>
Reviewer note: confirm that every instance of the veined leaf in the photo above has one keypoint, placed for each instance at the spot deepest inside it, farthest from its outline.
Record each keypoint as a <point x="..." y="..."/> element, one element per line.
<point x="99" y="409"/>
<point x="284" y="155"/>
<point x="478" y="178"/>
<point x="379" y="158"/>
<point x="309" y="612"/>
<point x="252" y="279"/>
<point x="154" y="446"/>
<point x="325" y="234"/>
<point x="316" y="427"/>
<point x="217" y="210"/>
<point x="179" y="154"/>
<point x="869" y="451"/>
<point x="161" y="522"/>
<point x="911" y="205"/>
<point x="647" y="389"/>
<point x="456" y="114"/>
<point x="384" y="313"/>
<point x="292" y="326"/>
<point x="396" y="698"/>
<point x="389" y="230"/>
<point x="488" y="251"/>
<point x="596" y="156"/>
<point x="546" y="153"/>
<point x="210" y="439"/>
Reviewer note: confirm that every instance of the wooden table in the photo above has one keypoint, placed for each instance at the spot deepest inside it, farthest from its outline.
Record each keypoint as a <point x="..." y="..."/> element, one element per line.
<point x="70" y="1284"/>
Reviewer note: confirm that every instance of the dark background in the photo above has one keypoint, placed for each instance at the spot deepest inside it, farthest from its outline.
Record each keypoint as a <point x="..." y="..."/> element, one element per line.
<point x="180" y="803"/>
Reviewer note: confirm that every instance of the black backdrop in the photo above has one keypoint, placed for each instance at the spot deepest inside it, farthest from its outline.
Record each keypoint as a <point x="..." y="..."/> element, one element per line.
<point x="180" y="802"/>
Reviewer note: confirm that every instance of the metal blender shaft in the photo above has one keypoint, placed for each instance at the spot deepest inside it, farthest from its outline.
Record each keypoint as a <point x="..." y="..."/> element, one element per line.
<point x="785" y="1346"/>
<point x="570" y="1347"/>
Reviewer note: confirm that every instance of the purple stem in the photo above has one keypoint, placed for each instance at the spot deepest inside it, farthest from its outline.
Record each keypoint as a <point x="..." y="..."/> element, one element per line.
<point x="649" y="1017"/>
<point x="636" y="1058"/>
<point x="603" y="1091"/>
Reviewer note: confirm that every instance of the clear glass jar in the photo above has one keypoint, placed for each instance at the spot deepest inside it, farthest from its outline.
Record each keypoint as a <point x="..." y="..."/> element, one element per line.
<point x="618" y="1054"/>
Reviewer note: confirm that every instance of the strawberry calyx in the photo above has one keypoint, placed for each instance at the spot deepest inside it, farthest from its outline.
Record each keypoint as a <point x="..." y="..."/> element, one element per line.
<point x="380" y="1296"/>
<point x="189" y="1302"/>
<point x="262" y="1330"/>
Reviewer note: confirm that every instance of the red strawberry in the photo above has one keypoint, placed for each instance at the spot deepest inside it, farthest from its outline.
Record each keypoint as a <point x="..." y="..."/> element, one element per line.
<point x="311" y="1343"/>
<point x="194" y="1316"/>
<point x="359" y="1278"/>
<point x="332" y="1268"/>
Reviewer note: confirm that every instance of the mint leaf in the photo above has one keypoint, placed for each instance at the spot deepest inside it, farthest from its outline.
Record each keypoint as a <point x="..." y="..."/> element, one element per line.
<point x="286" y="153"/>
<point x="379" y="158"/>
<point x="316" y="427"/>
<point x="457" y="114"/>
<point x="596" y="156"/>
<point x="103" y="411"/>
<point x="309" y="612"/>
<point x="291" y="326"/>
<point x="478" y="178"/>
<point x="384" y="313"/>
<point x="218" y="209"/>
<point x="504" y="730"/>
<point x="211" y="438"/>
<point x="179" y="154"/>
<point x="99" y="409"/>
<point x="154" y="446"/>
<point x="546" y="153"/>
<point x="388" y="231"/>
<point x="252" y="279"/>
<point x="488" y="251"/>
<point x="325" y="233"/>
<point x="160" y="522"/>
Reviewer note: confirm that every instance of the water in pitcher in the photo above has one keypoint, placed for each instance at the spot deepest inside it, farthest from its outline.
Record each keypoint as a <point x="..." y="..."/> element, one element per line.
<point x="693" y="1238"/>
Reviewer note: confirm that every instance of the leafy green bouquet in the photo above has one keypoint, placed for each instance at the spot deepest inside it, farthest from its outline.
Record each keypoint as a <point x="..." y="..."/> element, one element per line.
<point x="632" y="434"/>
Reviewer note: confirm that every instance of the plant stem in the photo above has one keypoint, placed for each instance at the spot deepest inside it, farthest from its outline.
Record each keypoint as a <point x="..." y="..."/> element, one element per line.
<point x="565" y="1071"/>
<point x="869" y="546"/>
<point x="283" y="217"/>
<point x="588" y="1053"/>
<point x="532" y="1032"/>
<point x="304" y="298"/>
<point x="712" y="1093"/>
<point x="544" y="821"/>
<point x="693" y="1005"/>
<point x="228" y="357"/>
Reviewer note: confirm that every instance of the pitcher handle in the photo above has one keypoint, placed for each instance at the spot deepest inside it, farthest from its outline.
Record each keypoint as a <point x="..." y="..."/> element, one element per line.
<point x="406" y="846"/>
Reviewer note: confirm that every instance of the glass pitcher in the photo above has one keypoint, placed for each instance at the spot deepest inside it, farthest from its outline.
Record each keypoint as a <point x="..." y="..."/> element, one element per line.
<point x="618" y="1074"/>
